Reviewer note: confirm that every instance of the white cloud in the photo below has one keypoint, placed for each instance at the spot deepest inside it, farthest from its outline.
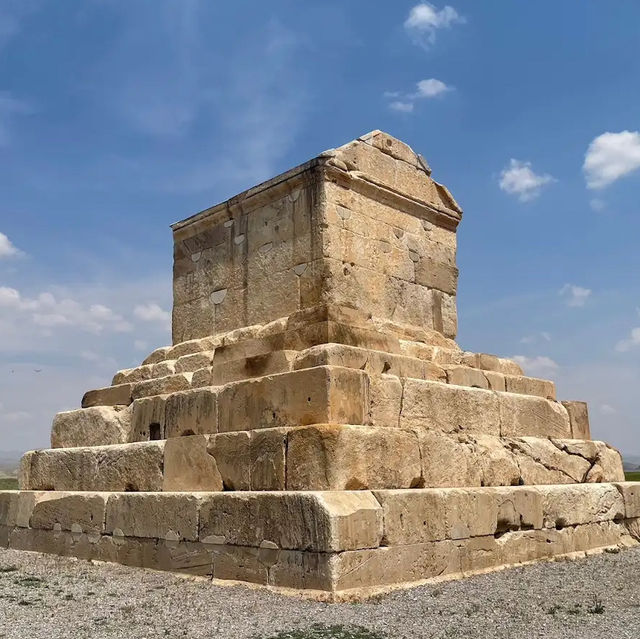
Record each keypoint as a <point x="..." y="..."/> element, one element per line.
<point x="425" y="89"/>
<point x="403" y="107"/>
<point x="575" y="296"/>
<point x="431" y="88"/>
<point x="518" y="178"/>
<point x="607" y="409"/>
<point x="48" y="312"/>
<point x="425" y="19"/>
<point x="10" y="107"/>
<point x="532" y="339"/>
<point x="7" y="249"/>
<point x="538" y="366"/>
<point x="151" y="312"/>
<point x="611" y="156"/>
<point x="633" y="340"/>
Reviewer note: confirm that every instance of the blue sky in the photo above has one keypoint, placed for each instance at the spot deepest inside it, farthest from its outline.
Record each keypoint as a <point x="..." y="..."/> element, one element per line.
<point x="119" y="117"/>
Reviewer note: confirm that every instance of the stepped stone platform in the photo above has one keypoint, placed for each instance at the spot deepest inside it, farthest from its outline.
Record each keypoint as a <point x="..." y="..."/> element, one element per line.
<point x="314" y="425"/>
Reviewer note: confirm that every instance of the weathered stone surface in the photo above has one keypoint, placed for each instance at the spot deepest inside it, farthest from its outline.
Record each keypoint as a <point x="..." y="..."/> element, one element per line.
<point x="268" y="461"/>
<point x="97" y="426"/>
<point x="159" y="516"/>
<point x="331" y="457"/>
<point x="579" y="418"/>
<point x="435" y="406"/>
<point x="530" y="386"/>
<point x="148" y="418"/>
<point x="317" y="395"/>
<point x="120" y="395"/>
<point x="77" y="512"/>
<point x="523" y="416"/>
<point x="157" y="356"/>
<point x="304" y="521"/>
<point x="417" y="516"/>
<point x="161" y="385"/>
<point x="466" y="376"/>
<point x="192" y="412"/>
<point x="188" y="466"/>
<point x="232" y="452"/>
<point x="127" y="467"/>
<point x="580" y="504"/>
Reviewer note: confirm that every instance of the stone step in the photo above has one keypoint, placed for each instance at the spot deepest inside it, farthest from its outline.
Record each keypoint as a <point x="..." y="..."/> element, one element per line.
<point x="321" y="457"/>
<point x="347" y="543"/>
<point x="168" y="406"/>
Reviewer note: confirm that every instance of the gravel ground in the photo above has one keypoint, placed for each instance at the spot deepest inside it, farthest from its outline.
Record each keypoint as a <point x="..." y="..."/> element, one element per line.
<point x="43" y="596"/>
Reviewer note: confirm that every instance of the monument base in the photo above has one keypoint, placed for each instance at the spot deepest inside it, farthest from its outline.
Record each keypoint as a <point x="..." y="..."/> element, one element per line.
<point x="335" y="545"/>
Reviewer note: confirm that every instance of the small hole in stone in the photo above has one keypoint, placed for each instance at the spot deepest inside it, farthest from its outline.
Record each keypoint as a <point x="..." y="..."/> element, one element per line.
<point x="130" y="488"/>
<point x="186" y="433"/>
<point x="154" y="431"/>
<point x="308" y="399"/>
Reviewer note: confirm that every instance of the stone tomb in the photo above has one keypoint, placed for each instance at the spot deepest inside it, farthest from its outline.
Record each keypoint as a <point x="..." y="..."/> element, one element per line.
<point x="315" y="425"/>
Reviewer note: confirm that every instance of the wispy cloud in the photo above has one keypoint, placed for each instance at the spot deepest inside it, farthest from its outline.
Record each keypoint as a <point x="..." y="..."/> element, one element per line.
<point x="152" y="312"/>
<point x="630" y="342"/>
<point x="537" y="337"/>
<point x="610" y="157"/>
<point x="519" y="179"/>
<point x="7" y="249"/>
<point x="538" y="366"/>
<point x="425" y="19"/>
<point x="425" y="89"/>
<point x="575" y="296"/>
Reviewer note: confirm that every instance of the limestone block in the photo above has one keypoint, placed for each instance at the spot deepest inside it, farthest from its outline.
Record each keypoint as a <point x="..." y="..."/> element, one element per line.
<point x="448" y="460"/>
<point x="268" y="459"/>
<point x="523" y="415"/>
<point x="232" y="452"/>
<point x="188" y="466"/>
<point x="497" y="464"/>
<point x="96" y="426"/>
<point x="394" y="564"/>
<point x="189" y="347"/>
<point x="324" y="522"/>
<point x="542" y="462"/>
<point x="76" y="512"/>
<point x="130" y="467"/>
<point x="445" y="407"/>
<point x="62" y="469"/>
<point x="465" y="376"/>
<point x="148" y="418"/>
<point x="433" y="274"/>
<point x="167" y="516"/>
<point x="629" y="490"/>
<point x="318" y="395"/>
<point x="519" y="507"/>
<point x="24" y="470"/>
<point x="126" y="467"/>
<point x="488" y="362"/>
<point x="110" y="396"/>
<point x="530" y="386"/>
<point x="579" y="418"/>
<point x="371" y="361"/>
<point x="496" y="381"/>
<point x="605" y="462"/>
<point x="161" y="385"/>
<point x="8" y="508"/>
<point x="333" y="457"/>
<point x="202" y="377"/>
<point x="580" y="504"/>
<point x="192" y="412"/>
<point x="418" y="516"/>
<point x="250" y="367"/>
<point x="130" y="375"/>
<point x="163" y="369"/>
<point x="157" y="356"/>
<point x="385" y="393"/>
